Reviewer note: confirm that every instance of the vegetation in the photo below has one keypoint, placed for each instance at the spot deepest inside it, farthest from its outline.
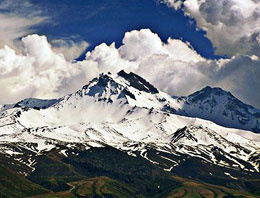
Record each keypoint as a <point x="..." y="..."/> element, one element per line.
<point x="15" y="185"/>
<point x="195" y="189"/>
<point x="105" y="173"/>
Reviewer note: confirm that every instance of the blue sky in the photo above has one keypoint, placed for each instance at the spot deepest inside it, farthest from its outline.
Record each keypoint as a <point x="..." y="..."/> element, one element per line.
<point x="107" y="21"/>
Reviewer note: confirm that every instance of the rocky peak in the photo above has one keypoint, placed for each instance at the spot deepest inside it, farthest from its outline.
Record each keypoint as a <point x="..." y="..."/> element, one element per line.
<point x="138" y="82"/>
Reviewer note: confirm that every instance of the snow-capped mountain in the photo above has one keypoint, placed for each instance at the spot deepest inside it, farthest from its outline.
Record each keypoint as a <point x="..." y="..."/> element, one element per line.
<point x="126" y="112"/>
<point x="221" y="107"/>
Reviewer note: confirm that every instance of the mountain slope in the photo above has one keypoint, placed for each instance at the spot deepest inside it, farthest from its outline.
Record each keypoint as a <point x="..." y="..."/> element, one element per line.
<point x="15" y="185"/>
<point x="127" y="113"/>
<point x="92" y="173"/>
<point x="221" y="107"/>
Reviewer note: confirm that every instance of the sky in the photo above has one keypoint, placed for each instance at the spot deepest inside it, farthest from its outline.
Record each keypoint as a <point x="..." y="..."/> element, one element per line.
<point x="51" y="48"/>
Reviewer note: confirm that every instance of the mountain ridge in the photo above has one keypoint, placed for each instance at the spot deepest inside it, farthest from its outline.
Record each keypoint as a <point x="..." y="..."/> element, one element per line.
<point x="126" y="113"/>
<point x="209" y="103"/>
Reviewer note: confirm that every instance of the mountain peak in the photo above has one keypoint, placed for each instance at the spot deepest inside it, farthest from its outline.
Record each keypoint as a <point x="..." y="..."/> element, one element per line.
<point x="208" y="92"/>
<point x="129" y="80"/>
<point x="104" y="87"/>
<point x="221" y="107"/>
<point x="213" y="89"/>
<point x="212" y="93"/>
<point x="102" y="80"/>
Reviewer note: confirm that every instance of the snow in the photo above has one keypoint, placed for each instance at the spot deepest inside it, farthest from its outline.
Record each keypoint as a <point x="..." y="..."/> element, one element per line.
<point x="144" y="155"/>
<point x="64" y="152"/>
<point x="96" y="116"/>
<point x="228" y="174"/>
<point x="36" y="103"/>
<point x="220" y="107"/>
<point x="10" y="152"/>
<point x="166" y="158"/>
<point x="168" y="169"/>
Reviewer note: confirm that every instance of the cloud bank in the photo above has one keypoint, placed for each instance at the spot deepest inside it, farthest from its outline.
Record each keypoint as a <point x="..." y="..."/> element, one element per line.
<point x="231" y="25"/>
<point x="174" y="67"/>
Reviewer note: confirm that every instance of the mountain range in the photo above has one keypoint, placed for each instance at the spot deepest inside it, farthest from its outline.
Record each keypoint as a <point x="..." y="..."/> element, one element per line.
<point x="119" y="136"/>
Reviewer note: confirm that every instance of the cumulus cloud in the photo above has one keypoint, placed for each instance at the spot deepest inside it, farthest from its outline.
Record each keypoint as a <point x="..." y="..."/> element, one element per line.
<point x="231" y="25"/>
<point x="139" y="44"/>
<point x="38" y="72"/>
<point x="174" y="67"/>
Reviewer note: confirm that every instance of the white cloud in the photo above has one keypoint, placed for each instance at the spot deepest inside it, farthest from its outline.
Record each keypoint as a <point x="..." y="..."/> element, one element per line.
<point x="108" y="59"/>
<point x="231" y="25"/>
<point x="173" y="67"/>
<point x="176" y="4"/>
<point x="39" y="72"/>
<point x="139" y="44"/>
